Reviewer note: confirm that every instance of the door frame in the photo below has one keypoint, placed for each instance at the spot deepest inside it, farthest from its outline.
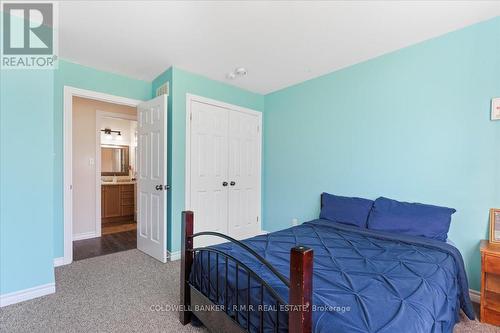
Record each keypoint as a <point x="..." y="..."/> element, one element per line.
<point x="70" y="92"/>
<point x="98" y="116"/>
<point x="231" y="107"/>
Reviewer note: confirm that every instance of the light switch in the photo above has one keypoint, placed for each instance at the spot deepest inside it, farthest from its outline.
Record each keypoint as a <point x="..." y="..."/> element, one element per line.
<point x="495" y="109"/>
<point x="91" y="161"/>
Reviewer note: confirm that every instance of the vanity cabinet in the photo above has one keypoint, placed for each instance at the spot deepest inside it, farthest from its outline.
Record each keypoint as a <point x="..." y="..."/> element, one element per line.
<point x="490" y="283"/>
<point x="117" y="202"/>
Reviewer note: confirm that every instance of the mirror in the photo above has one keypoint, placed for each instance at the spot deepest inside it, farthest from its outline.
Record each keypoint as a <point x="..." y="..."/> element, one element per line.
<point x="114" y="160"/>
<point x="495" y="225"/>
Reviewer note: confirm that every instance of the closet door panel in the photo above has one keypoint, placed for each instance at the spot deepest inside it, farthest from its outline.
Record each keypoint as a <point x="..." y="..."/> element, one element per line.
<point x="243" y="174"/>
<point x="209" y="169"/>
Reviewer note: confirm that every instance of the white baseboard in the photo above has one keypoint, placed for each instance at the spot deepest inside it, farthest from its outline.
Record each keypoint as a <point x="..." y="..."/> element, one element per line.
<point x="172" y="256"/>
<point x="27" y="294"/>
<point x="475" y="296"/>
<point x="59" y="261"/>
<point x="84" y="235"/>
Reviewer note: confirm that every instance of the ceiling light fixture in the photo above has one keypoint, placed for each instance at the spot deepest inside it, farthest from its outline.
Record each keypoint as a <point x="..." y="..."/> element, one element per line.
<point x="108" y="131"/>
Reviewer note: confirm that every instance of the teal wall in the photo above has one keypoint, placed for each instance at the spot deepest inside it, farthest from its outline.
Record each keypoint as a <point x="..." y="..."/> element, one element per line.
<point x="183" y="82"/>
<point x="26" y="178"/>
<point x="88" y="78"/>
<point x="411" y="125"/>
<point x="78" y="76"/>
<point x="32" y="130"/>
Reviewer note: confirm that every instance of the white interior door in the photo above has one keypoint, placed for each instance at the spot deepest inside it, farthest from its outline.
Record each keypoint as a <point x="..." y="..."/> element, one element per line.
<point x="244" y="175"/>
<point x="209" y="170"/>
<point x="152" y="179"/>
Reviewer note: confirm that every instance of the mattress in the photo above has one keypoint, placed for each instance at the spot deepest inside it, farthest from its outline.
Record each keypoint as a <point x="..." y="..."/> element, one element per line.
<point x="363" y="280"/>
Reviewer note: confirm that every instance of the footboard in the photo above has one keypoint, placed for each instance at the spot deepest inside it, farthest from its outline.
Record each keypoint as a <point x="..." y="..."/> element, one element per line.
<point x="211" y="304"/>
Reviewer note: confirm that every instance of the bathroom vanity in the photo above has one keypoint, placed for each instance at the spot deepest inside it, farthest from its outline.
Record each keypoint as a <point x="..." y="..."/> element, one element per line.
<point x="117" y="201"/>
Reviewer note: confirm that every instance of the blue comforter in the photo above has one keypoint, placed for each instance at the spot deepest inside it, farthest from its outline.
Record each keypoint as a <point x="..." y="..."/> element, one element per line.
<point x="364" y="280"/>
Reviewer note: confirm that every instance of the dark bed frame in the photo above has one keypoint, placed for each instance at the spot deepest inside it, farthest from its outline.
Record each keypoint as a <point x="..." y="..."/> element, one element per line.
<point x="193" y="301"/>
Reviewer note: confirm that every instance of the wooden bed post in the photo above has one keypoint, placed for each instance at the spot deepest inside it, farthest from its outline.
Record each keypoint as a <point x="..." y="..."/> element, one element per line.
<point x="186" y="263"/>
<point x="301" y="275"/>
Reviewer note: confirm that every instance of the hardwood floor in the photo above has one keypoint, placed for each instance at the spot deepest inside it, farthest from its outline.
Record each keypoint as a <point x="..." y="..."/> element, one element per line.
<point x="111" y="243"/>
<point x="114" y="227"/>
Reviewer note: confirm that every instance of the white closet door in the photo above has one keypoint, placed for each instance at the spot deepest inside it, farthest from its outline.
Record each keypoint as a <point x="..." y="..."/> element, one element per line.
<point x="209" y="170"/>
<point x="244" y="175"/>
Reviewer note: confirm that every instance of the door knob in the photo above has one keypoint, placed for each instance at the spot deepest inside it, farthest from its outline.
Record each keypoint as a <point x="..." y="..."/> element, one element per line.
<point x="232" y="183"/>
<point x="224" y="183"/>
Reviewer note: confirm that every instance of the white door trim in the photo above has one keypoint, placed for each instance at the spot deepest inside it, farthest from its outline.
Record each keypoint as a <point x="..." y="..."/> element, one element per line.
<point x="69" y="93"/>
<point x="98" y="116"/>
<point x="194" y="98"/>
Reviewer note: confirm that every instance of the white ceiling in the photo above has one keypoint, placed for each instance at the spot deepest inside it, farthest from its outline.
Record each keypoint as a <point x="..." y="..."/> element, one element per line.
<point x="280" y="43"/>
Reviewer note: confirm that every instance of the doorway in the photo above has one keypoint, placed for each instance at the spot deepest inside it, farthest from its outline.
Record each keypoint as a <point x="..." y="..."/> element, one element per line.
<point x="107" y="198"/>
<point x="104" y="177"/>
<point x="116" y="167"/>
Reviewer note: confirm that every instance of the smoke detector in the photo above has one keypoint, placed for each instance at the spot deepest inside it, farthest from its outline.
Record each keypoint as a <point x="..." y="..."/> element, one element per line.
<point x="238" y="72"/>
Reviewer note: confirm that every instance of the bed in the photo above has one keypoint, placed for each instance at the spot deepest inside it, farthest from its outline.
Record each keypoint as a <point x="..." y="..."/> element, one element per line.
<point x="359" y="280"/>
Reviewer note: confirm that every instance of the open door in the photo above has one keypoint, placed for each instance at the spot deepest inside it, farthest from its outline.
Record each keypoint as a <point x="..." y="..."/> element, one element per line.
<point x="152" y="177"/>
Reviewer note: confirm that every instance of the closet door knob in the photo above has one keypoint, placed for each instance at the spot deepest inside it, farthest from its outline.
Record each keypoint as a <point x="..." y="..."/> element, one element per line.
<point x="232" y="183"/>
<point x="224" y="183"/>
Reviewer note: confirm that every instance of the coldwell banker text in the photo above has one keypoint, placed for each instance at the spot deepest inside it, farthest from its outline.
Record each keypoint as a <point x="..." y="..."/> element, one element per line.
<point x="29" y="35"/>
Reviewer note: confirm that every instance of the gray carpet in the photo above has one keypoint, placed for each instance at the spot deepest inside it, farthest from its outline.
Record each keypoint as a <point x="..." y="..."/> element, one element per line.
<point x="114" y="293"/>
<point x="111" y="293"/>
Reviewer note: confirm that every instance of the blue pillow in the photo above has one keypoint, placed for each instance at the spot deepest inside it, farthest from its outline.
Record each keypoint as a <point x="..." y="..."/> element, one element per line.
<point x="413" y="219"/>
<point x="353" y="211"/>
